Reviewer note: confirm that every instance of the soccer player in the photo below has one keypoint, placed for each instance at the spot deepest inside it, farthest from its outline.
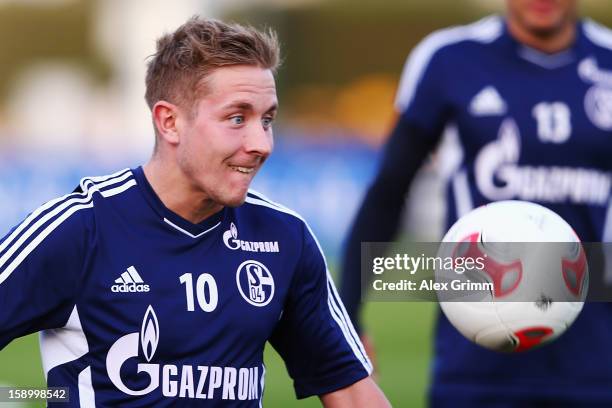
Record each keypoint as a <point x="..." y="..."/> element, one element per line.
<point x="527" y="100"/>
<point x="160" y="285"/>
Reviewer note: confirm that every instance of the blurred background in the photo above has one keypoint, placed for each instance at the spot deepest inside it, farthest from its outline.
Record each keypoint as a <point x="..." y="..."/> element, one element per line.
<point x="72" y="105"/>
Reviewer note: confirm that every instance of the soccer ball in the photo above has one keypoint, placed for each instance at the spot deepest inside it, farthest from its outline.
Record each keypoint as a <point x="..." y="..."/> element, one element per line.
<point x="530" y="274"/>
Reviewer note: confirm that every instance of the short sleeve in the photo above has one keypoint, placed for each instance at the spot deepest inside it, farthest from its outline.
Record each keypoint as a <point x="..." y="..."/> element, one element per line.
<point x="40" y="265"/>
<point x="421" y="96"/>
<point x="315" y="337"/>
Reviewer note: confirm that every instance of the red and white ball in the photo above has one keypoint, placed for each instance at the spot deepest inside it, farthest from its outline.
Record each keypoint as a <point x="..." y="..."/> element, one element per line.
<point x="538" y="289"/>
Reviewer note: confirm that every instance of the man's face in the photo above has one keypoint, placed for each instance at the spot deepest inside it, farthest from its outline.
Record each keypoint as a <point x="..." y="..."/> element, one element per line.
<point x="229" y="135"/>
<point x="542" y="17"/>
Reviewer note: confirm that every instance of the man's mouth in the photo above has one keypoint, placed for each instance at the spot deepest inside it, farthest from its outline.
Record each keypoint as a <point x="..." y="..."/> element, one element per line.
<point x="243" y="170"/>
<point x="543" y="6"/>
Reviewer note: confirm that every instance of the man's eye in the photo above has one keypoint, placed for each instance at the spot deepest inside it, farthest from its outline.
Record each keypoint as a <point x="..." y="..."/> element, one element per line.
<point x="267" y="122"/>
<point x="237" y="120"/>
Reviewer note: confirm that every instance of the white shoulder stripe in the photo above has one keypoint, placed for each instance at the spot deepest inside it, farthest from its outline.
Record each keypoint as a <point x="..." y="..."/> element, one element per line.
<point x="483" y="31"/>
<point x="85" y="183"/>
<point x="35" y="242"/>
<point x="262" y="383"/>
<point x="337" y="310"/>
<point x="68" y="200"/>
<point x="339" y="314"/>
<point x="62" y="212"/>
<point x="98" y="179"/>
<point x="269" y="204"/>
<point x="598" y="34"/>
<point x="607" y="237"/>
<point x="117" y="190"/>
<point x="261" y="196"/>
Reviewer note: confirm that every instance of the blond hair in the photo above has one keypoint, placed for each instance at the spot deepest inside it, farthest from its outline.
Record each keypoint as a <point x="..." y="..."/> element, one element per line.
<point x="176" y="72"/>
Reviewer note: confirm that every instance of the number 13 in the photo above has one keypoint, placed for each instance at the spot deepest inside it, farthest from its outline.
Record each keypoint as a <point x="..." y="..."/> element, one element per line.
<point x="554" y="121"/>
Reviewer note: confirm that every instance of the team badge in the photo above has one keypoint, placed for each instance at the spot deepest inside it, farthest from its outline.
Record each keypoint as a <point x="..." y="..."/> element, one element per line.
<point x="598" y="106"/>
<point x="255" y="283"/>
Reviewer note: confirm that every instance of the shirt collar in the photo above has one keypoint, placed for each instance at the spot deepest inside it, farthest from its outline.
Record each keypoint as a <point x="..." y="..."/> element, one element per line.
<point x="172" y="219"/>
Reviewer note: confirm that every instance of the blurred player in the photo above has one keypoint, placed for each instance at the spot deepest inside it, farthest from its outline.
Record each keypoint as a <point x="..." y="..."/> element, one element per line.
<point x="160" y="285"/>
<point x="527" y="102"/>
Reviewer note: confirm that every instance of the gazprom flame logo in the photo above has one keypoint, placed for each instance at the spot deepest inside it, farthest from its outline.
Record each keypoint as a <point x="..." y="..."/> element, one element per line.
<point x="126" y="347"/>
<point x="149" y="334"/>
<point x="255" y="283"/>
<point x="230" y="237"/>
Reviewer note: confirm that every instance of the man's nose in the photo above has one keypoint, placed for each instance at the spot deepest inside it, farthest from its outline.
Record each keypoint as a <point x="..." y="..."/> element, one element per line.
<point x="259" y="140"/>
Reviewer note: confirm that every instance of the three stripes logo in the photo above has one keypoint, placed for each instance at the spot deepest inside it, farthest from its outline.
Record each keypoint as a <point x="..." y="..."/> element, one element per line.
<point x="130" y="281"/>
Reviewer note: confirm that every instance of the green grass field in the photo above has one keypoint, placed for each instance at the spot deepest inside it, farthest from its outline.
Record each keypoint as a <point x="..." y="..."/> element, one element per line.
<point x="401" y="332"/>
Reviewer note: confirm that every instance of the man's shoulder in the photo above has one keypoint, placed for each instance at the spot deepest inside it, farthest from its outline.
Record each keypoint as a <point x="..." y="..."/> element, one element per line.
<point x="266" y="218"/>
<point x="63" y="224"/>
<point x="76" y="209"/>
<point x="285" y="223"/>
<point x="598" y="35"/>
<point x="270" y="214"/>
<point x="273" y="212"/>
<point x="456" y="38"/>
<point x="100" y="187"/>
<point x="439" y="54"/>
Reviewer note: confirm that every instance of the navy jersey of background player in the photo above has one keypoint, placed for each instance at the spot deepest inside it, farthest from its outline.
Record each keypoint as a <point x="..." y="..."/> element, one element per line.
<point x="527" y="126"/>
<point x="139" y="307"/>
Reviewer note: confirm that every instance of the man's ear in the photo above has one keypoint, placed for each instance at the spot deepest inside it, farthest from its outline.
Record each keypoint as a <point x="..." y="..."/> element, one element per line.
<point x="165" y="116"/>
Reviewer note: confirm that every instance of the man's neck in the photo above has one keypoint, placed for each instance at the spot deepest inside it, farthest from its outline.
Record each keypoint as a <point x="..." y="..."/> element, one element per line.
<point x="550" y="44"/>
<point x="177" y="194"/>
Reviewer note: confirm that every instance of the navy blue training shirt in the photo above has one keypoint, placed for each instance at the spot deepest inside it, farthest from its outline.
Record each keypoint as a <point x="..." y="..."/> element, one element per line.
<point x="138" y="307"/>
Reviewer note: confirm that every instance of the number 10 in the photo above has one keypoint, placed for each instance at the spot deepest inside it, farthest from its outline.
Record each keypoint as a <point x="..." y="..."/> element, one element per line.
<point x="204" y="280"/>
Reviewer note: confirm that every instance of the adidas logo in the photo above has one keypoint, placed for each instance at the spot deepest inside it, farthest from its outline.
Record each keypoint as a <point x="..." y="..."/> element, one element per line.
<point x="487" y="102"/>
<point x="130" y="281"/>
